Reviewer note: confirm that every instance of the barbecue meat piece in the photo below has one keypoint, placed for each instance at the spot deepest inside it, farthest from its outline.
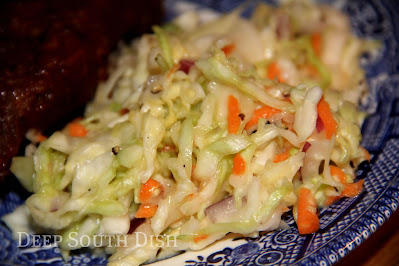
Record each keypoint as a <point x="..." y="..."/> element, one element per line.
<point x="52" y="55"/>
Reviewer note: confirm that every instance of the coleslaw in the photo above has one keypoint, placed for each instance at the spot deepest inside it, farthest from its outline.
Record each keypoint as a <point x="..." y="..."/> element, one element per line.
<point x="205" y="129"/>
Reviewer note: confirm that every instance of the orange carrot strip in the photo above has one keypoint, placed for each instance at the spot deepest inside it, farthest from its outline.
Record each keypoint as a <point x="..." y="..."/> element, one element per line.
<point x="263" y="112"/>
<point x="238" y="164"/>
<point x="316" y="43"/>
<point x="199" y="238"/>
<point x="336" y="171"/>
<point x="77" y="130"/>
<point x="330" y="200"/>
<point x="330" y="125"/>
<point x="353" y="189"/>
<point x="281" y="157"/>
<point x="228" y="49"/>
<point x="233" y="118"/>
<point x="146" y="210"/>
<point x="273" y="71"/>
<point x="174" y="68"/>
<point x="40" y="138"/>
<point x="308" y="221"/>
<point x="147" y="190"/>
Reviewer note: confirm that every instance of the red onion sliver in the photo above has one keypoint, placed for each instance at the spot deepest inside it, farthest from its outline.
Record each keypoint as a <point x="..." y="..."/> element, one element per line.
<point x="306" y="146"/>
<point x="185" y="65"/>
<point x="319" y="125"/>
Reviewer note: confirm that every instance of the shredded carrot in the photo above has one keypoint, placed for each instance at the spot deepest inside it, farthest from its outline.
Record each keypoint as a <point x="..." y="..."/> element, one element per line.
<point x="40" y="138"/>
<point x="238" y="164"/>
<point x="147" y="190"/>
<point x="233" y="115"/>
<point x="336" y="171"/>
<point x="308" y="221"/>
<point x="174" y="68"/>
<point x="199" y="238"/>
<point x="353" y="189"/>
<point x="281" y="157"/>
<point x="77" y="130"/>
<point x="273" y="71"/>
<point x="290" y="127"/>
<point x="330" y="200"/>
<point x="146" y="210"/>
<point x="263" y="112"/>
<point x="316" y="43"/>
<point x="330" y="125"/>
<point x="228" y="49"/>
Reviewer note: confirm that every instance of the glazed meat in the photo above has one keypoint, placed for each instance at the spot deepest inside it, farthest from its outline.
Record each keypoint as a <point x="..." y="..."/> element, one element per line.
<point x="52" y="55"/>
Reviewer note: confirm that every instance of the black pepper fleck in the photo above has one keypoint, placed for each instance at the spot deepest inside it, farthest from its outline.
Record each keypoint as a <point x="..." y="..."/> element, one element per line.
<point x="115" y="150"/>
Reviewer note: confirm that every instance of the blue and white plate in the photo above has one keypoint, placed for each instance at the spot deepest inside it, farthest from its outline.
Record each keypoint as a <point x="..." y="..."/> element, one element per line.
<point x="344" y="225"/>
